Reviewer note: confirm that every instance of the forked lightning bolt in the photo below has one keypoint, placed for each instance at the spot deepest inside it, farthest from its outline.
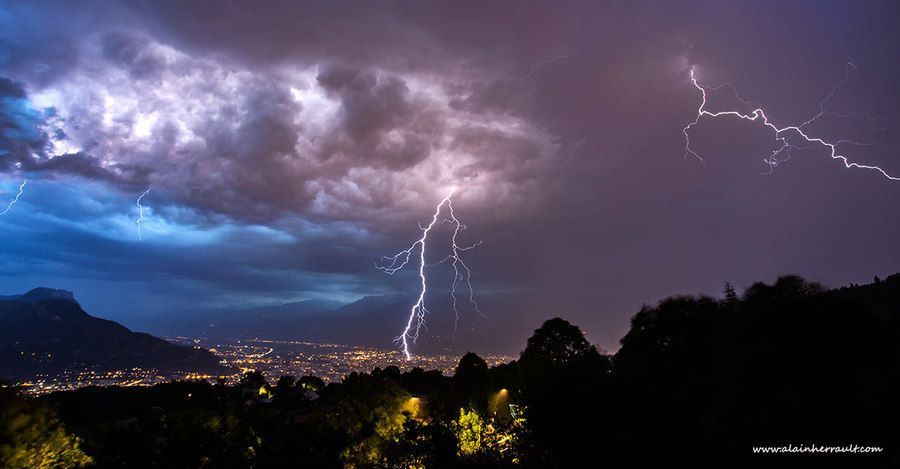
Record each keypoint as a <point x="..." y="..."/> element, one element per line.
<point x="782" y="134"/>
<point x="461" y="273"/>
<point x="141" y="213"/>
<point x="13" y="202"/>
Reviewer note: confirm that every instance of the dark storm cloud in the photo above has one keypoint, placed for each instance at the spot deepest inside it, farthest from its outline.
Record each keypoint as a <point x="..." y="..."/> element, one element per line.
<point x="19" y="134"/>
<point x="79" y="164"/>
<point x="370" y="109"/>
<point x="24" y="139"/>
<point x="494" y="96"/>
<point x="37" y="44"/>
<point x="353" y="33"/>
<point x="131" y="52"/>
<point x="11" y="90"/>
<point x="261" y="262"/>
<point x="220" y="137"/>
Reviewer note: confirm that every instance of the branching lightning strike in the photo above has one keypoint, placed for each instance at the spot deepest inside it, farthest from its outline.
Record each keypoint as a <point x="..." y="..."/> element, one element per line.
<point x="462" y="273"/>
<point x="782" y="134"/>
<point x="141" y="209"/>
<point x="13" y="202"/>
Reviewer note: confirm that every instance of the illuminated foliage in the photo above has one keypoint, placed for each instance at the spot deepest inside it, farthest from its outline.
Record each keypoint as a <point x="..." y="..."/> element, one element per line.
<point x="228" y="440"/>
<point x="31" y="436"/>
<point x="513" y="442"/>
<point x="368" y="418"/>
<point x="311" y="382"/>
<point x="468" y="429"/>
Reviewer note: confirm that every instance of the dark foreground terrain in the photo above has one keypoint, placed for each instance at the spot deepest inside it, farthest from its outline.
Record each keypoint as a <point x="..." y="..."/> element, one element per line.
<point x="698" y="382"/>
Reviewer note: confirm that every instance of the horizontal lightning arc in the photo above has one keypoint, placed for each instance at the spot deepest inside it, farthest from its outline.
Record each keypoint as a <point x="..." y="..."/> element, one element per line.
<point x="759" y="115"/>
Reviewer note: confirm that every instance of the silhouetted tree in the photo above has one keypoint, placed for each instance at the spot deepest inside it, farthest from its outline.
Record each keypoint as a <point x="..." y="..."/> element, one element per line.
<point x="564" y="384"/>
<point x="697" y="381"/>
<point x="253" y="379"/>
<point x="679" y="330"/>
<point x="557" y="342"/>
<point x="284" y="383"/>
<point x="787" y="287"/>
<point x="419" y="381"/>
<point x="730" y="296"/>
<point x="472" y="383"/>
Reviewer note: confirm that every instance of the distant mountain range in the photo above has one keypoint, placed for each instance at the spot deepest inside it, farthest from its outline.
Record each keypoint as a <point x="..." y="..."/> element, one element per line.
<point x="311" y="320"/>
<point x="219" y="323"/>
<point x="45" y="331"/>
<point x="372" y="321"/>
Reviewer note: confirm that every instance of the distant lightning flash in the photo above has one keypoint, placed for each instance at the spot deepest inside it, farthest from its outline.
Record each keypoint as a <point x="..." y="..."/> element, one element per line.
<point x="141" y="208"/>
<point x="460" y="269"/>
<point x="21" y="188"/>
<point x="782" y="134"/>
<point x="536" y="68"/>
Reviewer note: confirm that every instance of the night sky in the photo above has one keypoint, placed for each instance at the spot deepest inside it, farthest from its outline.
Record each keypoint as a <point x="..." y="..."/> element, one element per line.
<point x="289" y="144"/>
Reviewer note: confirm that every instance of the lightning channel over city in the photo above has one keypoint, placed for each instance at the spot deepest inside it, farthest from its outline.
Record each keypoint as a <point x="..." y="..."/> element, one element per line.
<point x="461" y="273"/>
<point x="140" y="212"/>
<point x="16" y="199"/>
<point x="782" y="133"/>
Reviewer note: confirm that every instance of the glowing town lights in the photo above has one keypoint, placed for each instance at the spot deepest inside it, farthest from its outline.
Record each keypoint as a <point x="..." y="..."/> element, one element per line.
<point x="392" y="264"/>
<point x="141" y="208"/>
<point x="13" y="202"/>
<point x="782" y="134"/>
